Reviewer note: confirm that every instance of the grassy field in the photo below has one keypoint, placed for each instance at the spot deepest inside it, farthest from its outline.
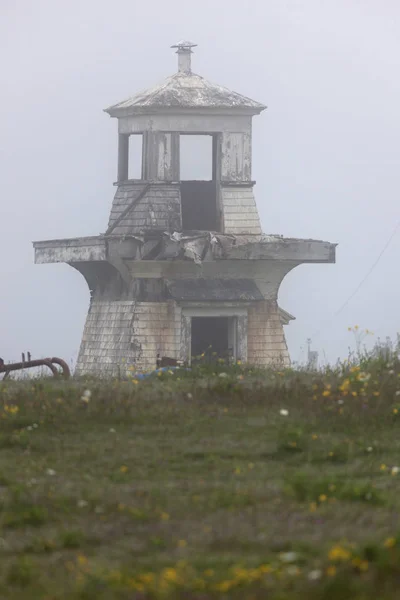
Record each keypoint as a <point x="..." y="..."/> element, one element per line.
<point x="216" y="483"/>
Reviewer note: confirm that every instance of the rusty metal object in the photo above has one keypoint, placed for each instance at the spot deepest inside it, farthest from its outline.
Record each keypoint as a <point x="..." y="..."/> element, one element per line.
<point x="42" y="362"/>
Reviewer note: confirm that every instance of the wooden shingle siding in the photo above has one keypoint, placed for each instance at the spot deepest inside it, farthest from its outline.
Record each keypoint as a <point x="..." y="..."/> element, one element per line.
<point x="266" y="344"/>
<point x="159" y="209"/>
<point x="119" y="334"/>
<point x="239" y="211"/>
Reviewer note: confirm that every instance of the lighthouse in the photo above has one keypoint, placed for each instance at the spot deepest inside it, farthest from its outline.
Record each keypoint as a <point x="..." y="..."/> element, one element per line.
<point x="183" y="267"/>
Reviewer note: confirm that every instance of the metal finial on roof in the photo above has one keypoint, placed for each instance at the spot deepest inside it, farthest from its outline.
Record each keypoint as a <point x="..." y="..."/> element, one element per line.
<point x="184" y="51"/>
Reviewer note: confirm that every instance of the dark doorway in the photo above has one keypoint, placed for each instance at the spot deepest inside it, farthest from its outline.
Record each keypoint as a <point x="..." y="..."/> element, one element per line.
<point x="210" y="336"/>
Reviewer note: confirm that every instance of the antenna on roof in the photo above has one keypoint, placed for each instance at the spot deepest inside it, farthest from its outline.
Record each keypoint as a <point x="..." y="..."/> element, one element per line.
<point x="184" y="51"/>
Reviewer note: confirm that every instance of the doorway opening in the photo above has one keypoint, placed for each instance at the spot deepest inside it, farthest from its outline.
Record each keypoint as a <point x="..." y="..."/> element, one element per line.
<point x="198" y="163"/>
<point x="213" y="338"/>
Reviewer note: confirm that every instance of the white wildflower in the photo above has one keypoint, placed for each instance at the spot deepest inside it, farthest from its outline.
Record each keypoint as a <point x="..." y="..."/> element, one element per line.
<point x="397" y="393"/>
<point x="284" y="412"/>
<point x="395" y="470"/>
<point x="364" y="376"/>
<point x="189" y="396"/>
<point x="50" y="472"/>
<point x="35" y="426"/>
<point x="29" y="428"/>
<point x="391" y="372"/>
<point x="82" y="503"/>
<point x="288" y="557"/>
<point x="223" y="375"/>
<point x="369" y="449"/>
<point x="314" y="575"/>
<point x="86" y="396"/>
<point x="340" y="401"/>
<point x="112" y="430"/>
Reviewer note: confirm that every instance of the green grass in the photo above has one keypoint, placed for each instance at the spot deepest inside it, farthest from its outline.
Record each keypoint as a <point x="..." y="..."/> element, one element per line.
<point x="195" y="486"/>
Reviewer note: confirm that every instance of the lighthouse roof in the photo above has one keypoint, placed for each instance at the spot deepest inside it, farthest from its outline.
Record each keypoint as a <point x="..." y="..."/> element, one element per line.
<point x="185" y="90"/>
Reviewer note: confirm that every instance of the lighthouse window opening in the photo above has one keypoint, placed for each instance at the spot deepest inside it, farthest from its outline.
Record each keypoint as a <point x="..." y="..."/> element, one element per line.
<point x="135" y="162"/>
<point x="196" y="157"/>
<point x="198" y="182"/>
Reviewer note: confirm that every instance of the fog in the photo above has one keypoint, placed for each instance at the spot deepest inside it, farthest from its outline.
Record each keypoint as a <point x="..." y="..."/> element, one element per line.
<point x="325" y="153"/>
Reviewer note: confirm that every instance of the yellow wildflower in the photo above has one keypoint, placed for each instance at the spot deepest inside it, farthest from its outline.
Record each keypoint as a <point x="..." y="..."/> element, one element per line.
<point x="361" y="565"/>
<point x="82" y="560"/>
<point x="136" y="585"/>
<point x="147" y="578"/>
<point x="170" y="575"/>
<point x="395" y="411"/>
<point x="390" y="542"/>
<point x="164" y="516"/>
<point x="313" y="506"/>
<point x="331" y="571"/>
<point x="326" y="393"/>
<point x="314" y="436"/>
<point x="123" y="469"/>
<point x="225" y="586"/>
<point x="322" y="498"/>
<point x="338" y="553"/>
<point x="383" y="467"/>
<point x="182" y="543"/>
<point x="11" y="409"/>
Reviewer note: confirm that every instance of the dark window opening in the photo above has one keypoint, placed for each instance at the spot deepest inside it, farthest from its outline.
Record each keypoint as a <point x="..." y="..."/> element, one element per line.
<point x="199" y="182"/>
<point x="211" y="339"/>
<point x="135" y="162"/>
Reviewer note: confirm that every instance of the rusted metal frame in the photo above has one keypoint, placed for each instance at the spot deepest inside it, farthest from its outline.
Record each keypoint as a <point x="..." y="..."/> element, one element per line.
<point x="65" y="368"/>
<point x="43" y="362"/>
<point x="127" y="209"/>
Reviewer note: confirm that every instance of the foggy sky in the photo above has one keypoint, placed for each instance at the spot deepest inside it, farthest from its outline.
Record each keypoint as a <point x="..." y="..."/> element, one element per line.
<point x="325" y="152"/>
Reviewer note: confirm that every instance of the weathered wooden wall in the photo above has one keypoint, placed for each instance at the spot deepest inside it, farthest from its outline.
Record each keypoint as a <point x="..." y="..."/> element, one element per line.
<point x="159" y="209"/>
<point x="236" y="156"/>
<point x="239" y="210"/>
<point x="266" y="344"/>
<point x="119" y="334"/>
<point x="122" y="334"/>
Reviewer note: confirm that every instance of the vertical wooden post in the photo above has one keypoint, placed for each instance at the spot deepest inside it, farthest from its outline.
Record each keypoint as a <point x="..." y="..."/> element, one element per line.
<point x="123" y="157"/>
